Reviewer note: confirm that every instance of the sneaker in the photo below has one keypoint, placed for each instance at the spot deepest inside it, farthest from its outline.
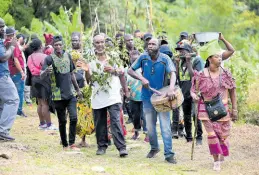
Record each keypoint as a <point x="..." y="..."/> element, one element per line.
<point x="135" y="136"/>
<point x="180" y="133"/>
<point x="74" y="148"/>
<point x="42" y="127"/>
<point x="101" y="151"/>
<point x="146" y="139"/>
<point x="175" y="135"/>
<point x="52" y="127"/>
<point x="152" y="153"/>
<point x="198" y="142"/>
<point x="171" y="159"/>
<point x="129" y="121"/>
<point x="123" y="152"/>
<point x="216" y="166"/>
<point x="21" y="114"/>
<point x="6" y="137"/>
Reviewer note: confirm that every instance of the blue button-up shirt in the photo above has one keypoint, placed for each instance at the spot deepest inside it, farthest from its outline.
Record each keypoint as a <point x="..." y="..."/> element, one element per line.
<point x="154" y="71"/>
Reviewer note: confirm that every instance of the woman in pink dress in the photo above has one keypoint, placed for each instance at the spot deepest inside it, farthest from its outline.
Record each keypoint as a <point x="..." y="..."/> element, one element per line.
<point x="214" y="80"/>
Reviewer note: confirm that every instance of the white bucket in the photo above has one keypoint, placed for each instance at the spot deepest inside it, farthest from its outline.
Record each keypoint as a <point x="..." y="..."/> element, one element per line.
<point x="204" y="37"/>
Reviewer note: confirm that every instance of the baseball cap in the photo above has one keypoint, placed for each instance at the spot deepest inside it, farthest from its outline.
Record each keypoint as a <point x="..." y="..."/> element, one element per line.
<point x="184" y="34"/>
<point x="184" y="45"/>
<point x="10" y="31"/>
<point x="147" y="36"/>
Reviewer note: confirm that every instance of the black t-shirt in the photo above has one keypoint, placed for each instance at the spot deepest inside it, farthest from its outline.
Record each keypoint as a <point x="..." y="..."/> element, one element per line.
<point x="184" y="77"/>
<point x="61" y="80"/>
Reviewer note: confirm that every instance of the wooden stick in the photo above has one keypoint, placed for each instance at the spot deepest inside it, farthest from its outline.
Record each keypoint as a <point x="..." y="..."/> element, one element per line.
<point x="126" y="15"/>
<point x="90" y="8"/>
<point x="196" y="128"/>
<point x="151" y="16"/>
<point x="105" y="28"/>
<point x="81" y="27"/>
<point x="98" y="23"/>
<point x="110" y="18"/>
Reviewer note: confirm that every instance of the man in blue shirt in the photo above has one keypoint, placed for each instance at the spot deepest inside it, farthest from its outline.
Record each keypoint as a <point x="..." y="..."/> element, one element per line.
<point x="155" y="68"/>
<point x="9" y="99"/>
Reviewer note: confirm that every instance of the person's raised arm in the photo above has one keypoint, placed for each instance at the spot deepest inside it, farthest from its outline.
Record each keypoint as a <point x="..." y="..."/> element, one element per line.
<point x="230" y="49"/>
<point x="84" y="66"/>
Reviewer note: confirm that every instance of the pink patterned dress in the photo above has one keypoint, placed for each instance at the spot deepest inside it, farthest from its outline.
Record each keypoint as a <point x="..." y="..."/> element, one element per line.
<point x="218" y="131"/>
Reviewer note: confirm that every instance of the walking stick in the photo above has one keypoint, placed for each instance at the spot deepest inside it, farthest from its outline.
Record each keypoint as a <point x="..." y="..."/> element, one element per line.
<point x="196" y="128"/>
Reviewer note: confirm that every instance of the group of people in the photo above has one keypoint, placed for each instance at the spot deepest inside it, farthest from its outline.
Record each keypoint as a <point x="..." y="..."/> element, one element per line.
<point x="57" y="79"/>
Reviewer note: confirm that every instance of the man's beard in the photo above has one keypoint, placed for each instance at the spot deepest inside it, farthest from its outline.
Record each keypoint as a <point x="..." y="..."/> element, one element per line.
<point x="76" y="46"/>
<point x="152" y="53"/>
<point x="130" y="46"/>
<point x="100" y="51"/>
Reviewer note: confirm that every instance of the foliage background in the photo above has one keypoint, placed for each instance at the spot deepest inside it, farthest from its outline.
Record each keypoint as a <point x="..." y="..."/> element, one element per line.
<point x="238" y="20"/>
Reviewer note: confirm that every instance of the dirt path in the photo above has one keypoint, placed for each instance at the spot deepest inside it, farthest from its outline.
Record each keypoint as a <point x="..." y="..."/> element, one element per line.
<point x="38" y="152"/>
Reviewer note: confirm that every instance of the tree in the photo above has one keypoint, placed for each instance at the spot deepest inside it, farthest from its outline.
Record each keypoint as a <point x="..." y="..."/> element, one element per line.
<point x="22" y="13"/>
<point x="9" y="21"/>
<point x="4" y="7"/>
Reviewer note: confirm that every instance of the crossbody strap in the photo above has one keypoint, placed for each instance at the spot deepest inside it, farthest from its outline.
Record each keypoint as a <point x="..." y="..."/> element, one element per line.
<point x="220" y="77"/>
<point x="34" y="63"/>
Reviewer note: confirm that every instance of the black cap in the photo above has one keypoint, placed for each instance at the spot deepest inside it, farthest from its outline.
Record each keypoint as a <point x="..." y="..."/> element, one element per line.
<point x="147" y="36"/>
<point x="57" y="38"/>
<point x="10" y="31"/>
<point x="183" y="45"/>
<point x="184" y="34"/>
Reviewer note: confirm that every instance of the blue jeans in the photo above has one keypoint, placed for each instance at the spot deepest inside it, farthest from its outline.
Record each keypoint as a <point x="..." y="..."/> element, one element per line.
<point x="20" y="84"/>
<point x="9" y="102"/>
<point x="143" y="118"/>
<point x="165" y="126"/>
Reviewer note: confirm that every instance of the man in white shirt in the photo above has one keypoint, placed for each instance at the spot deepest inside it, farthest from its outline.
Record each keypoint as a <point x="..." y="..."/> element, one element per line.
<point x="106" y="96"/>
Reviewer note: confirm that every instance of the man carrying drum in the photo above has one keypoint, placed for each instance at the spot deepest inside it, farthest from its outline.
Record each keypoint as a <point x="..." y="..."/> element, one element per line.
<point x="155" y="67"/>
<point x="186" y="66"/>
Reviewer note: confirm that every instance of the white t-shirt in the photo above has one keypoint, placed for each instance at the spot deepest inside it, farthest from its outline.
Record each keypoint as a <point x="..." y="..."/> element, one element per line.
<point x="103" y="99"/>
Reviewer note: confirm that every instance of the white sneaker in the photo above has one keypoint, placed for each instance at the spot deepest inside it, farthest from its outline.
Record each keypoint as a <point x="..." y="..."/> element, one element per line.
<point x="42" y="127"/>
<point x="52" y="127"/>
<point x="216" y="166"/>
